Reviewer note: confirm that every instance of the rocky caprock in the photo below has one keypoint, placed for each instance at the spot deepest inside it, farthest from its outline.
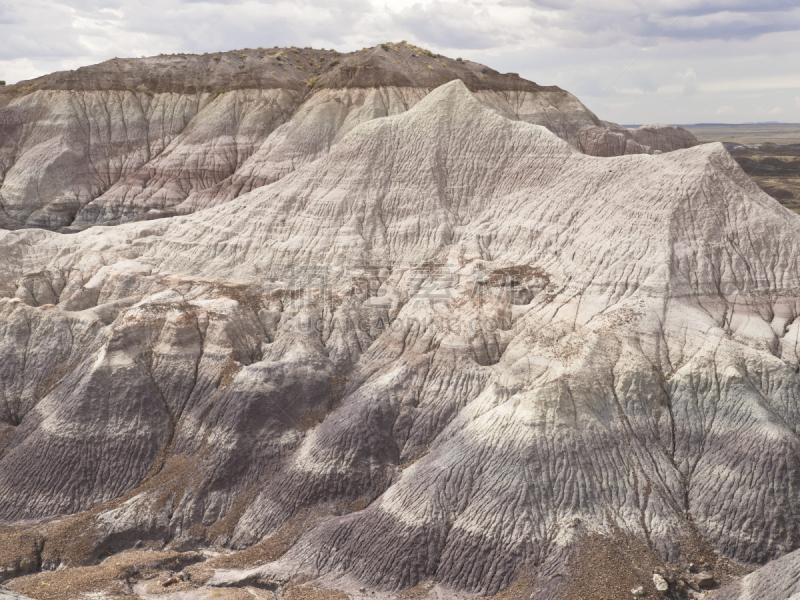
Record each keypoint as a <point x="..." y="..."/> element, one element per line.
<point x="446" y="349"/>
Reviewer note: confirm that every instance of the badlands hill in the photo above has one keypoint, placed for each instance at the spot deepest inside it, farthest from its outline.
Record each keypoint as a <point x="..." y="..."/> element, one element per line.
<point x="133" y="139"/>
<point x="451" y="356"/>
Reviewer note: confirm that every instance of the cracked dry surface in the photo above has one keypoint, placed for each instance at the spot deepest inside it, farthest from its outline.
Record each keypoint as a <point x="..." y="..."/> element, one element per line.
<point x="454" y="356"/>
<point x="141" y="139"/>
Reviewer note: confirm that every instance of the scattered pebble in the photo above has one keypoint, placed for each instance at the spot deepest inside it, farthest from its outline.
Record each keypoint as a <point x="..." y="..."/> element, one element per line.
<point x="705" y="579"/>
<point x="173" y="580"/>
<point x="660" y="583"/>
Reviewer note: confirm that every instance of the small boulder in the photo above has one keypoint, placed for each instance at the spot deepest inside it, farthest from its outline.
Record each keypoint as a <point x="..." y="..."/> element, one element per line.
<point x="704" y="579"/>
<point x="172" y="580"/>
<point x="660" y="583"/>
<point x="638" y="592"/>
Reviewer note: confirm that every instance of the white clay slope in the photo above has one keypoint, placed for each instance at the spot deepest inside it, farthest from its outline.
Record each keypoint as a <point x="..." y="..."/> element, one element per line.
<point x="514" y="344"/>
<point x="779" y="580"/>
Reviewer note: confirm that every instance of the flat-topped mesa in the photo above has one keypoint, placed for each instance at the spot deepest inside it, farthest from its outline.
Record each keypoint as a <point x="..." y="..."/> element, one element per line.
<point x="187" y="131"/>
<point x="301" y="69"/>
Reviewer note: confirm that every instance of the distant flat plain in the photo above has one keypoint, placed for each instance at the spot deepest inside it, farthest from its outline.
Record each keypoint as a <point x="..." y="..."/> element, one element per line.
<point x="748" y="134"/>
<point x="769" y="153"/>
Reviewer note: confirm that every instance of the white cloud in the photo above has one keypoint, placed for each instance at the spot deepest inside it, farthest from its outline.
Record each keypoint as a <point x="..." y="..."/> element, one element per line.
<point x="771" y="111"/>
<point x="726" y="110"/>
<point x="746" y="83"/>
<point x="591" y="23"/>
<point x="689" y="82"/>
<point x="629" y="61"/>
<point x="62" y="27"/>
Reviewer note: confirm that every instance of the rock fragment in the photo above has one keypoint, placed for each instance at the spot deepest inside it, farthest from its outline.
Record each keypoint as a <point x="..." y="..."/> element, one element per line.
<point x="660" y="583"/>
<point x="704" y="579"/>
<point x="177" y="578"/>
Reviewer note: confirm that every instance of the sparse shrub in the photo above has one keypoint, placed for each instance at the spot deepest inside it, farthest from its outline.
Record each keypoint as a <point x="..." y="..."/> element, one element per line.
<point x="217" y="59"/>
<point x="149" y="93"/>
<point x="333" y="64"/>
<point x="430" y="68"/>
<point x="459" y="59"/>
<point x="2" y="82"/>
<point x="218" y="94"/>
<point x="385" y="47"/>
<point x="485" y="71"/>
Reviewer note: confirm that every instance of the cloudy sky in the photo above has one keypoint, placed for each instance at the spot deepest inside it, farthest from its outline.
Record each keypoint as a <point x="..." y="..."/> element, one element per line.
<point x="634" y="61"/>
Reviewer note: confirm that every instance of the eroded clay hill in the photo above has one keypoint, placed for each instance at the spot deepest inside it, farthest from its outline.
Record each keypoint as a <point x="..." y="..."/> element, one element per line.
<point x="134" y="139"/>
<point x="453" y="353"/>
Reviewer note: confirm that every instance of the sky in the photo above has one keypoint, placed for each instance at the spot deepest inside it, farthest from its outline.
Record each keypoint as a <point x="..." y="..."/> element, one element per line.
<point x="631" y="62"/>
